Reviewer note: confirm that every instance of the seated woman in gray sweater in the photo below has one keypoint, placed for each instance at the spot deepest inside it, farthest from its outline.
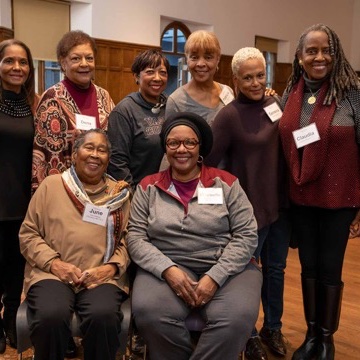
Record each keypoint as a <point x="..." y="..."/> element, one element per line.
<point x="192" y="234"/>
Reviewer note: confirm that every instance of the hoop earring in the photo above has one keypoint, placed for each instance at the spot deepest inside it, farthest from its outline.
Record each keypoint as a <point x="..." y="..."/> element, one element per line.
<point x="200" y="160"/>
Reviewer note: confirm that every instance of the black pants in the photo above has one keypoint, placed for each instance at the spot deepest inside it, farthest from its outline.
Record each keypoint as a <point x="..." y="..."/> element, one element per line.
<point x="11" y="267"/>
<point x="322" y="236"/>
<point x="51" y="304"/>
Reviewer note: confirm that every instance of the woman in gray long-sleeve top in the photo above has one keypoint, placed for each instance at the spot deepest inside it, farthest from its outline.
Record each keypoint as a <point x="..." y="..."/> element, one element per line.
<point x="193" y="235"/>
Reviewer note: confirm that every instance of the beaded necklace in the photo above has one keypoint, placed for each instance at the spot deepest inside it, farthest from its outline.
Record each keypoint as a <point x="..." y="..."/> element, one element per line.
<point x="14" y="104"/>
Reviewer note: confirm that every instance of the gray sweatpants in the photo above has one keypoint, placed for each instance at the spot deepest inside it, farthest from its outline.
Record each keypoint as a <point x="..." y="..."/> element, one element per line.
<point x="230" y="316"/>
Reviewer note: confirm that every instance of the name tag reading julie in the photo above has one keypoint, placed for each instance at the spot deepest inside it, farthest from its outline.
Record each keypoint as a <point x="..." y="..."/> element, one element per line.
<point x="306" y="135"/>
<point x="95" y="214"/>
<point x="210" y="196"/>
<point x="85" y="122"/>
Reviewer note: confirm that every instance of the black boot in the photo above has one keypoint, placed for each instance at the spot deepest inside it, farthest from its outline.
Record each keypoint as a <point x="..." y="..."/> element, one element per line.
<point x="331" y="297"/>
<point x="2" y="338"/>
<point x="308" y="348"/>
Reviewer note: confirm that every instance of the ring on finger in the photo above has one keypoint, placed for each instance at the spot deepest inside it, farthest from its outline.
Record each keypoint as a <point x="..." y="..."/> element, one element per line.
<point x="71" y="283"/>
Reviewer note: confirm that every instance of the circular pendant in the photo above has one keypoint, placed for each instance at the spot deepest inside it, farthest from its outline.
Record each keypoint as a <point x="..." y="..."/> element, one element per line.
<point x="311" y="100"/>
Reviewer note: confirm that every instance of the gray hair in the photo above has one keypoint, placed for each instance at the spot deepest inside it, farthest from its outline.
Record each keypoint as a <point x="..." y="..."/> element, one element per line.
<point x="81" y="139"/>
<point x="243" y="55"/>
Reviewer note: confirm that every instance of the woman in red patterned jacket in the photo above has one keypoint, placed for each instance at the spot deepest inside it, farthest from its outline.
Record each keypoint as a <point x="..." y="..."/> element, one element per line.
<point x="70" y="106"/>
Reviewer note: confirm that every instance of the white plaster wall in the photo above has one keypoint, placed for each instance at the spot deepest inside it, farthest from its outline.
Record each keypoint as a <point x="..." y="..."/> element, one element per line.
<point x="81" y="17"/>
<point x="235" y="22"/>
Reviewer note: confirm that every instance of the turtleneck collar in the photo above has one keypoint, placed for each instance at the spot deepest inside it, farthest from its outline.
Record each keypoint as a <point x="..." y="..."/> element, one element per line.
<point x="72" y="87"/>
<point x="245" y="100"/>
<point x="11" y="95"/>
<point x="313" y="85"/>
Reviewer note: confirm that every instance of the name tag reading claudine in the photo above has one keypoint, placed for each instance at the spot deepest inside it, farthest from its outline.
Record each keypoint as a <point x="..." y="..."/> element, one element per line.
<point x="210" y="196"/>
<point x="84" y="122"/>
<point x="273" y="111"/>
<point x="95" y="214"/>
<point x="306" y="135"/>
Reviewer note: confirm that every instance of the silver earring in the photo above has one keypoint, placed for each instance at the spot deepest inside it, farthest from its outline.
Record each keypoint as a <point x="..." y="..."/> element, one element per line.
<point x="200" y="159"/>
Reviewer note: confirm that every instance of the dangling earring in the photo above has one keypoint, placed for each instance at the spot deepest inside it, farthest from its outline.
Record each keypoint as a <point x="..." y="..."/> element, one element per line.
<point x="200" y="159"/>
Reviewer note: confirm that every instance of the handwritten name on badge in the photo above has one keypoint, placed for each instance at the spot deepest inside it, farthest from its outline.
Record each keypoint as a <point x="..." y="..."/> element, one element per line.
<point x="273" y="112"/>
<point x="210" y="196"/>
<point x="84" y="122"/>
<point x="306" y="135"/>
<point x="226" y="98"/>
<point x="95" y="214"/>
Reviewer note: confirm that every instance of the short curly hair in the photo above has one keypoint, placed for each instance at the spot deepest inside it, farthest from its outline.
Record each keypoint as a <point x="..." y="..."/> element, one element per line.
<point x="71" y="39"/>
<point x="243" y="55"/>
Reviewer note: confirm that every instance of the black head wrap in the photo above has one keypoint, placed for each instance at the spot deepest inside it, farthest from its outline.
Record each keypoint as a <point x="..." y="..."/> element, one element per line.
<point x="195" y="122"/>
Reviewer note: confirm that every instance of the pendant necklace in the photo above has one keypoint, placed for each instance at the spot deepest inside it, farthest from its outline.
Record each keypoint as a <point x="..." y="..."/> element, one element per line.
<point x="312" y="99"/>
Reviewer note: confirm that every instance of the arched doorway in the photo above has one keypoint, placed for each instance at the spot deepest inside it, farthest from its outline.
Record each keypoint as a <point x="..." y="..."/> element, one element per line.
<point x="173" y="41"/>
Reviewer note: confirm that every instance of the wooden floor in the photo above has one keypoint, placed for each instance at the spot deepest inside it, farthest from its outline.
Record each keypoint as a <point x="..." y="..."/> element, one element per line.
<point x="346" y="339"/>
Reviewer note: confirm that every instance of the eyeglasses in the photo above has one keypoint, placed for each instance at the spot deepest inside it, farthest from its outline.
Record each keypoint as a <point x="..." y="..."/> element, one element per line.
<point x="174" y="144"/>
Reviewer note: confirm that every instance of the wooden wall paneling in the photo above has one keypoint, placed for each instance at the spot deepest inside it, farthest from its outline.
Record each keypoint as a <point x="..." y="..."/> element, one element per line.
<point x="282" y="73"/>
<point x="128" y="84"/>
<point x="6" y="33"/>
<point x="224" y="74"/>
<point x="113" y="67"/>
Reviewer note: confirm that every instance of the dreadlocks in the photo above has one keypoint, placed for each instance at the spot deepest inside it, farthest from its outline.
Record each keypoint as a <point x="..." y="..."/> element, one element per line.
<point x="342" y="76"/>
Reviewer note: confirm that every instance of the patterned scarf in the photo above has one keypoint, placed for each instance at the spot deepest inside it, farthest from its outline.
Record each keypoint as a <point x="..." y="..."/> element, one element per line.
<point x="112" y="201"/>
<point x="307" y="168"/>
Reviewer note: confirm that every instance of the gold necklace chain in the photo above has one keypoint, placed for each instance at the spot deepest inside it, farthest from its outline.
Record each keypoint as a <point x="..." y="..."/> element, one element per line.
<point x="312" y="99"/>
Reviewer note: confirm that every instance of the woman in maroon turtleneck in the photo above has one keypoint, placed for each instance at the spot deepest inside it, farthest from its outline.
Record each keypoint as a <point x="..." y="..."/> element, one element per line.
<point x="68" y="106"/>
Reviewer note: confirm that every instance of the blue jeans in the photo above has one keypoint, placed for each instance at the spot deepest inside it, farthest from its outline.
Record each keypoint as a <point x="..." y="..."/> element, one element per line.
<point x="273" y="245"/>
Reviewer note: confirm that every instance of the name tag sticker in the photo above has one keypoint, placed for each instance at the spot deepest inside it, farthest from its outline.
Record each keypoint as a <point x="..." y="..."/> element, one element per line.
<point x="306" y="135"/>
<point x="226" y="96"/>
<point x="273" y="111"/>
<point x="84" y="122"/>
<point x="95" y="214"/>
<point x="210" y="196"/>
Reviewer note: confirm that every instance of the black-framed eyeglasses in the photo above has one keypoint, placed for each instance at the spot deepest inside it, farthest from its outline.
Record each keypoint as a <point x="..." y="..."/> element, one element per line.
<point x="174" y="144"/>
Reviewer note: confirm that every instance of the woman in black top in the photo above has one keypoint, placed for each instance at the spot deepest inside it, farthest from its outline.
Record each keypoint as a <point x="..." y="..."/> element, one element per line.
<point x="17" y="101"/>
